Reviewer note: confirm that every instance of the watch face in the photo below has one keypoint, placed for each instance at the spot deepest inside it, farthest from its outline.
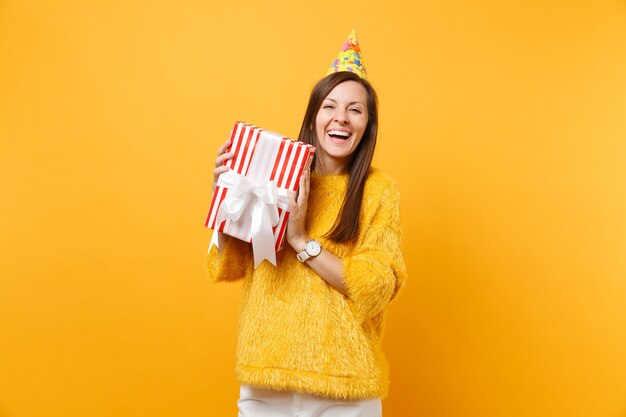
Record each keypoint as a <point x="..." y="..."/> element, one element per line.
<point x="313" y="248"/>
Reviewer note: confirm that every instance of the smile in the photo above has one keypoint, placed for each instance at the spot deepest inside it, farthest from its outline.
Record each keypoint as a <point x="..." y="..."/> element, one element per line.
<point x="339" y="134"/>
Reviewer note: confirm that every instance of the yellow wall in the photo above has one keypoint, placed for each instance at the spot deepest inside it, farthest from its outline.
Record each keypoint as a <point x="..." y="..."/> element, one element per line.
<point x="504" y="122"/>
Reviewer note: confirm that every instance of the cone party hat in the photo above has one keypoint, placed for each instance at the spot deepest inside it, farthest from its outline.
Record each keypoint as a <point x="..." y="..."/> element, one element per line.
<point x="349" y="58"/>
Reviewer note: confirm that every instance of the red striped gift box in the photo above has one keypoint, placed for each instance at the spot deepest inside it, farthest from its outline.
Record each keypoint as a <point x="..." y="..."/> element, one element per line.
<point x="251" y="146"/>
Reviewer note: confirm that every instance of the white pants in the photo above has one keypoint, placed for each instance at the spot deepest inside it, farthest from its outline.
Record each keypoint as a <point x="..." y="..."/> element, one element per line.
<point x="259" y="402"/>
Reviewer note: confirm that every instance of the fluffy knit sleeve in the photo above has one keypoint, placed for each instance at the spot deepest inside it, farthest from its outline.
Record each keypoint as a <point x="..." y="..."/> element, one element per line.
<point x="375" y="272"/>
<point x="231" y="262"/>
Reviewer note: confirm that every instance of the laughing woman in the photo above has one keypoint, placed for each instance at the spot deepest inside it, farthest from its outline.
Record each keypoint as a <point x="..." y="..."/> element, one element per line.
<point x="310" y="331"/>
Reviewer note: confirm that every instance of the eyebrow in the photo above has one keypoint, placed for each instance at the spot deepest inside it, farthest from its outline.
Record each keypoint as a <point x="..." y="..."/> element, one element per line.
<point x="349" y="104"/>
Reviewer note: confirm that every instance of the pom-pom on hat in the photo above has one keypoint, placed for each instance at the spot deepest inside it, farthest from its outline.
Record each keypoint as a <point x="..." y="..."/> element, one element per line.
<point x="349" y="58"/>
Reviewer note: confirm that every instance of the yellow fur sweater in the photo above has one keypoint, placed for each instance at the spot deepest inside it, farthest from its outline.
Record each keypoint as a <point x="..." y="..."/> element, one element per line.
<point x="298" y="333"/>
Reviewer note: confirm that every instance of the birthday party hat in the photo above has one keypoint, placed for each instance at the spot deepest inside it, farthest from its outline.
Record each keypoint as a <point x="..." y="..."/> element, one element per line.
<point x="349" y="58"/>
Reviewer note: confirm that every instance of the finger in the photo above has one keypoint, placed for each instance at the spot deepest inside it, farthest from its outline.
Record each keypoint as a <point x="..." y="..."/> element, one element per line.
<point x="302" y="194"/>
<point x="291" y="195"/>
<point x="223" y="157"/>
<point x="307" y="182"/>
<point x="219" y="171"/>
<point x="224" y="146"/>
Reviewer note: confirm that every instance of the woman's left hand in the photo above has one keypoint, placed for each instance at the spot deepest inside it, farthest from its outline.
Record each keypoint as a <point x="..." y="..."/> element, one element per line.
<point x="328" y="266"/>
<point x="296" y="229"/>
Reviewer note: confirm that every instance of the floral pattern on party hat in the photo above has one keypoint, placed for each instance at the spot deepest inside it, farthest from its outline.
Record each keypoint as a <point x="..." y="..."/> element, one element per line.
<point x="349" y="58"/>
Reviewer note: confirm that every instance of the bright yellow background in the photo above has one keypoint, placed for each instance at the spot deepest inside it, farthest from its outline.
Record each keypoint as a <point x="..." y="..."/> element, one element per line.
<point x="504" y="123"/>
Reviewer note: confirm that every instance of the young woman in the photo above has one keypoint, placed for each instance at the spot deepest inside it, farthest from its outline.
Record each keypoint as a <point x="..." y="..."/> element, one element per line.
<point x="310" y="332"/>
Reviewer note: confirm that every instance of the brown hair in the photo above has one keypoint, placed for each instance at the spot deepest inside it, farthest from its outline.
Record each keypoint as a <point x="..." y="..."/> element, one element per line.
<point x="346" y="225"/>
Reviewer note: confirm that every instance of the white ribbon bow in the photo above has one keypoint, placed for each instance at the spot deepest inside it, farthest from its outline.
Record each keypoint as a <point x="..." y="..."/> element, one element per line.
<point x="261" y="202"/>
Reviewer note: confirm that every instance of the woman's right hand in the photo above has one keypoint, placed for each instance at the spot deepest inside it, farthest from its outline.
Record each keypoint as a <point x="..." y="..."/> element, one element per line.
<point x="222" y="156"/>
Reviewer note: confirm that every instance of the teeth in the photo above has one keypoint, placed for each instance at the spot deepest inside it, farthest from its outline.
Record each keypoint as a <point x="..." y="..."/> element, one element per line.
<point x="339" y="133"/>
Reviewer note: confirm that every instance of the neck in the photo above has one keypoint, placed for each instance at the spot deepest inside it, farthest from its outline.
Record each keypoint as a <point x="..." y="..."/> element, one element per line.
<point x="327" y="166"/>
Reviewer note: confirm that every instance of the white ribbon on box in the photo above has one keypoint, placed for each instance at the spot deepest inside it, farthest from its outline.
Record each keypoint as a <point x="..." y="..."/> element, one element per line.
<point x="252" y="201"/>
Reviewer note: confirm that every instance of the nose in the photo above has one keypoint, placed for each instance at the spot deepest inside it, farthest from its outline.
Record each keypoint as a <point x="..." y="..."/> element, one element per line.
<point x="341" y="116"/>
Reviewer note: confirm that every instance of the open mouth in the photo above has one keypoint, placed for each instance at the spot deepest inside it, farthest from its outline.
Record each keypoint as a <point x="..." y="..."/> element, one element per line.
<point x="339" y="134"/>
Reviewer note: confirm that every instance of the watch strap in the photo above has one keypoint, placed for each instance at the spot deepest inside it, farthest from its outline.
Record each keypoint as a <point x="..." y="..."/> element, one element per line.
<point x="305" y="254"/>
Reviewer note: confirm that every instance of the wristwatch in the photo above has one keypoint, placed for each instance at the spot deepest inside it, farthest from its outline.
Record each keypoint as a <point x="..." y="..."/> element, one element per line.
<point x="311" y="250"/>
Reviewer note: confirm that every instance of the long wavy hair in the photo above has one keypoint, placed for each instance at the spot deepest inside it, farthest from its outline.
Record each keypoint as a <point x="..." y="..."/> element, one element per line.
<point x="346" y="226"/>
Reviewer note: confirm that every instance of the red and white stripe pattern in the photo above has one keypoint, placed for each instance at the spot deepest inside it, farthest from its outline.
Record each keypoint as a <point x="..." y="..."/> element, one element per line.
<point x="292" y="159"/>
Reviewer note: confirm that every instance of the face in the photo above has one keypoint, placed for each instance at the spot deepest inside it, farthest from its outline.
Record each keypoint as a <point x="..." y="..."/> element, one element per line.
<point x="340" y="124"/>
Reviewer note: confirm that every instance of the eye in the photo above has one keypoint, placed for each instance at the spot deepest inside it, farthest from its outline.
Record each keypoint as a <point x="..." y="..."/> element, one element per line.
<point x="327" y="106"/>
<point x="355" y="110"/>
